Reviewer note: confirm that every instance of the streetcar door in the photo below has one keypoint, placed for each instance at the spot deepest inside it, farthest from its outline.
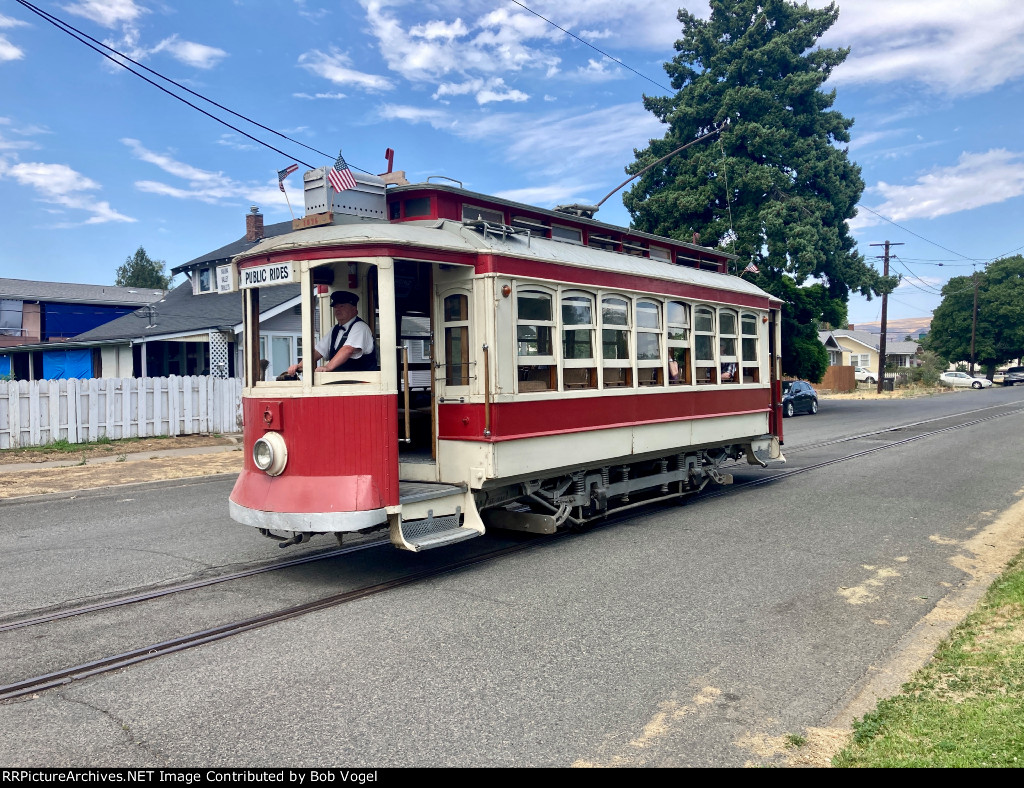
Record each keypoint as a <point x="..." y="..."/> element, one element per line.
<point x="414" y="319"/>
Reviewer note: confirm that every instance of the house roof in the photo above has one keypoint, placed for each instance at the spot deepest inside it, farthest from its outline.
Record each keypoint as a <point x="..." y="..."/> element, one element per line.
<point x="870" y="340"/>
<point x="225" y="253"/>
<point x="181" y="312"/>
<point x="67" y="292"/>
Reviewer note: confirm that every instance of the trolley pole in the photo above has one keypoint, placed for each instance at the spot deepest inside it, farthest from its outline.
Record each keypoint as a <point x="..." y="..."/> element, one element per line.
<point x="885" y="304"/>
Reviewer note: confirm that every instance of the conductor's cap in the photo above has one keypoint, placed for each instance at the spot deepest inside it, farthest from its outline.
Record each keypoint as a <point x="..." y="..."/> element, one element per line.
<point x="343" y="297"/>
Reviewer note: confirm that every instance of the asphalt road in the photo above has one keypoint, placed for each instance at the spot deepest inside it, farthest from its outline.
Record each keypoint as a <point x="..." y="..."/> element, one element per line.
<point x="692" y="636"/>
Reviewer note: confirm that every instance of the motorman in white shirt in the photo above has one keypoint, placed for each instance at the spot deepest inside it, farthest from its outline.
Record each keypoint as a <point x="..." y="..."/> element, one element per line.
<point x="349" y="346"/>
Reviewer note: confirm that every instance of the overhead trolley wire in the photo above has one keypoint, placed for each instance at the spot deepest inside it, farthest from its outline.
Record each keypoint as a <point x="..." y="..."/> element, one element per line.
<point x="95" y="45"/>
<point x="596" y="49"/>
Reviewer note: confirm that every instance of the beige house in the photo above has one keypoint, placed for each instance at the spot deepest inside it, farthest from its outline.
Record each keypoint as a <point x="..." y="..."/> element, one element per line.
<point x="860" y="349"/>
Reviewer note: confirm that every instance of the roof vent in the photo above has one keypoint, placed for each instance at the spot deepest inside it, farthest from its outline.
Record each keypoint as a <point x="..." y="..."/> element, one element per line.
<point x="366" y="200"/>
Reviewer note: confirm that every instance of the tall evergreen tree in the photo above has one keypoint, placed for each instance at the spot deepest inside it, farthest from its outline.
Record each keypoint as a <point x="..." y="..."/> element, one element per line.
<point x="774" y="187"/>
<point x="139" y="270"/>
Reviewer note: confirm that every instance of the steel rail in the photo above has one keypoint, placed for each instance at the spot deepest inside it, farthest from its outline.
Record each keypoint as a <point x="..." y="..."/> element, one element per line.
<point x="156" y="593"/>
<point x="77" y="672"/>
<point x="796" y="449"/>
<point x="85" y="670"/>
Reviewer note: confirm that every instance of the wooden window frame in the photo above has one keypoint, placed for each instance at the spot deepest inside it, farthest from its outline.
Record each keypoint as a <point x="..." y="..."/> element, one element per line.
<point x="701" y="366"/>
<point x="539" y="369"/>
<point x="658" y="364"/>
<point x="573" y="368"/>
<point x="625" y="366"/>
<point x="449" y="325"/>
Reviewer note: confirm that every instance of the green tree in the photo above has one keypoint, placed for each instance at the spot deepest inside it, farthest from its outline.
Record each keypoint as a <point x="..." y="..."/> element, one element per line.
<point x="139" y="270"/>
<point x="774" y="188"/>
<point x="999" y="333"/>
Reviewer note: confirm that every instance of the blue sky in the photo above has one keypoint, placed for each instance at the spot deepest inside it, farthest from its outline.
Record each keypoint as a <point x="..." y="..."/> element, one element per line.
<point x="94" y="162"/>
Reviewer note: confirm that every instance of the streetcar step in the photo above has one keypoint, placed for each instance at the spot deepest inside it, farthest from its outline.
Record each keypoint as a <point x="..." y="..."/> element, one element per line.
<point x="428" y="521"/>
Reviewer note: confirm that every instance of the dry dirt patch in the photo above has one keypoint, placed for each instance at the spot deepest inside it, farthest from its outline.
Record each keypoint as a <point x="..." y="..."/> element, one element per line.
<point x="114" y="449"/>
<point x="117" y="463"/>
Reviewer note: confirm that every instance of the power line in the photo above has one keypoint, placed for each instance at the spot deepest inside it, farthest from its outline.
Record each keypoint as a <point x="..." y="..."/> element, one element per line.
<point x="926" y="240"/>
<point x="85" y="38"/>
<point x="587" y="43"/>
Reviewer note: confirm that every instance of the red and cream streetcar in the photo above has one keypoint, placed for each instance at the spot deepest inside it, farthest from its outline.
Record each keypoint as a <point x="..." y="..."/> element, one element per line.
<point x="533" y="368"/>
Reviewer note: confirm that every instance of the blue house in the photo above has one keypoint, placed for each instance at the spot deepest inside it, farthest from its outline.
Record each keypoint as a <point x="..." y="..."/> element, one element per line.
<point x="37" y="319"/>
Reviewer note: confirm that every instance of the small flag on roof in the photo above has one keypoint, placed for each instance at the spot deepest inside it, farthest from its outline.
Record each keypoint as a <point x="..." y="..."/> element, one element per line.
<point x="751" y="269"/>
<point x="282" y="174"/>
<point x="340" y="176"/>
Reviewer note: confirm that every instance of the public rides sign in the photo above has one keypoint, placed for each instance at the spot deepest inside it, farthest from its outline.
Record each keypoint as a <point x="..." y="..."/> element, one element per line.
<point x="268" y="274"/>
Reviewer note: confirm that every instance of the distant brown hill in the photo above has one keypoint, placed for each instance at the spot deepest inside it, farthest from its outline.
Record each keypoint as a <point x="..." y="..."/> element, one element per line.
<point x="906" y="325"/>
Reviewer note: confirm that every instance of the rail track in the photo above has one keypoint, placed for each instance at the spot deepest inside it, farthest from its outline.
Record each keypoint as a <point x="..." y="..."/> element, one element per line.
<point x="77" y="672"/>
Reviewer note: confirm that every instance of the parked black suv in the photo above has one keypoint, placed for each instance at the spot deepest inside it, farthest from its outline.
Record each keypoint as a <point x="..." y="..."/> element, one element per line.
<point x="1013" y="375"/>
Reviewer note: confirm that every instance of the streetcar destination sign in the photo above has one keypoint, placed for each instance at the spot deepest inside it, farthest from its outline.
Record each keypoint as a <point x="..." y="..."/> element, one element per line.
<point x="269" y="274"/>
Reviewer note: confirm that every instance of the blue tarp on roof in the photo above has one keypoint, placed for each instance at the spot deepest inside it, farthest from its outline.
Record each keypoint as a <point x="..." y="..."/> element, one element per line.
<point x="69" y="320"/>
<point x="67" y="364"/>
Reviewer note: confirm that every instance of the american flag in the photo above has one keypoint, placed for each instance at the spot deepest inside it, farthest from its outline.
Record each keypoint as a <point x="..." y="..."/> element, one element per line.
<point x="751" y="269"/>
<point x="340" y="176"/>
<point x="282" y="174"/>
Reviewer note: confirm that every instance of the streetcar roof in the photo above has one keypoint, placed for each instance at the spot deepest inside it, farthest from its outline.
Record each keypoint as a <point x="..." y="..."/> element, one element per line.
<point x="455" y="237"/>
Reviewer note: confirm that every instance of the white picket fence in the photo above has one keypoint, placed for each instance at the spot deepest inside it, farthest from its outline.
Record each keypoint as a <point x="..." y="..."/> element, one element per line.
<point x="35" y="413"/>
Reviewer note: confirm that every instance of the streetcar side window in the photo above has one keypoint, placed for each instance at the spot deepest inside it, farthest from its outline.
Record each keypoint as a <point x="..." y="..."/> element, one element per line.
<point x="677" y="316"/>
<point x="650" y="367"/>
<point x="535" y="325"/>
<point x="456" y="340"/>
<point x="615" y="335"/>
<point x="579" y="369"/>
<point x="748" y="348"/>
<point x="729" y="362"/>
<point x="704" y="345"/>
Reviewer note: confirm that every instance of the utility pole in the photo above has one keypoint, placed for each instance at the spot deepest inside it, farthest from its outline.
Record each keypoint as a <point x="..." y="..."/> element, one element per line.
<point x="974" y="320"/>
<point x="885" y="303"/>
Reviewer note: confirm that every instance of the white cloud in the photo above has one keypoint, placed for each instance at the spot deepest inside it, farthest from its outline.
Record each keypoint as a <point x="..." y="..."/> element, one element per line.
<point x="58" y="184"/>
<point x="316" y="96"/>
<point x="598" y="71"/>
<point x="977" y="179"/>
<point x="954" y="47"/>
<point x="435" y="117"/>
<point x="486" y="91"/>
<point x="495" y="43"/>
<point x="437" y="29"/>
<point x="334" y="67"/>
<point x="236" y="142"/>
<point x="497" y="91"/>
<point x="9" y="51"/>
<point x="551" y="193"/>
<point x="561" y="141"/>
<point x="191" y="53"/>
<point x="203" y="185"/>
<point x="6" y="21"/>
<point x="108" y="13"/>
<point x="553" y="142"/>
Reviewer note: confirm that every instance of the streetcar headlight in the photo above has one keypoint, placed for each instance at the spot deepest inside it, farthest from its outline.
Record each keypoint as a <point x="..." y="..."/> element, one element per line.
<point x="270" y="454"/>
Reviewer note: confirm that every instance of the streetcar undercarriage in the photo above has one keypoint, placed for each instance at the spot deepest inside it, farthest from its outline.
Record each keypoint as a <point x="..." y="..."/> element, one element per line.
<point x="566" y="499"/>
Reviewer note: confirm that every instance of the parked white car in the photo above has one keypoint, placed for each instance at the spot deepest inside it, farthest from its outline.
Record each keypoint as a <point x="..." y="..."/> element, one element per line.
<point x="962" y="379"/>
<point x="864" y="375"/>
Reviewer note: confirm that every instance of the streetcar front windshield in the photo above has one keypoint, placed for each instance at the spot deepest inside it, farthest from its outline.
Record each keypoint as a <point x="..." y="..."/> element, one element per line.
<point x="322" y="327"/>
